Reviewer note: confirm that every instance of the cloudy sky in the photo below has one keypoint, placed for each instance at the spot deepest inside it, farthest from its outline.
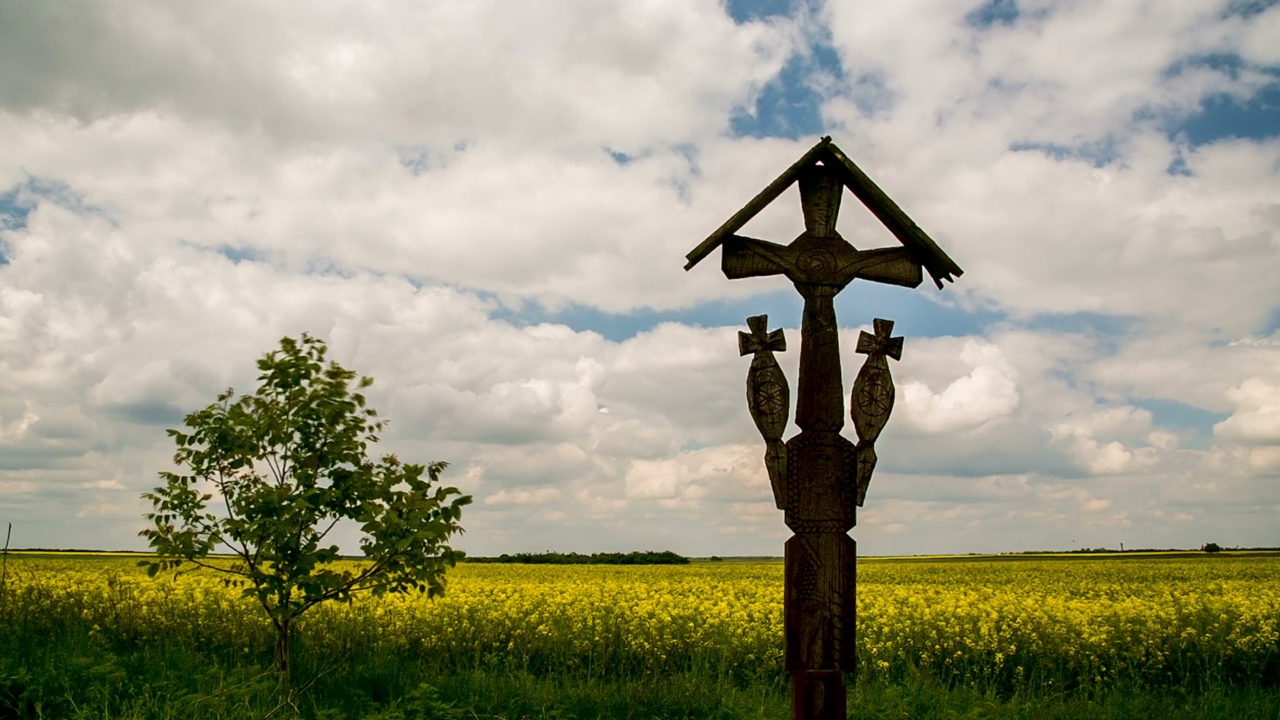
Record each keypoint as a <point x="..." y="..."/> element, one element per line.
<point x="486" y="206"/>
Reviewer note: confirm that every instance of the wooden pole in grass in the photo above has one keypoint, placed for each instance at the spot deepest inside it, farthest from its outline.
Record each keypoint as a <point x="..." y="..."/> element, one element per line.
<point x="819" y="478"/>
<point x="4" y="565"/>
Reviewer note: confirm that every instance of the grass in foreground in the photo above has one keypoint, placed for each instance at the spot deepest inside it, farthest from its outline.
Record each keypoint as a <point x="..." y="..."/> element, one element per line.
<point x="174" y="684"/>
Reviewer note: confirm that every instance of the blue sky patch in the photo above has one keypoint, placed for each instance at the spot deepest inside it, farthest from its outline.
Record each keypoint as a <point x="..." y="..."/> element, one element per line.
<point x="1223" y="116"/>
<point x="14" y="209"/>
<point x="1099" y="153"/>
<point x="238" y="255"/>
<point x="1247" y="8"/>
<point x="1229" y="64"/>
<point x="920" y="312"/>
<point x="1089" y="323"/>
<point x="1182" y="418"/>
<point x="911" y="310"/>
<point x="618" y="327"/>
<point x="786" y="107"/>
<point x="1108" y="331"/>
<point x="994" y="12"/>
<point x="790" y="105"/>
<point x="13" y="216"/>
<point x="688" y="151"/>
<point x="17" y="202"/>
<point x="745" y="11"/>
<point x="619" y="157"/>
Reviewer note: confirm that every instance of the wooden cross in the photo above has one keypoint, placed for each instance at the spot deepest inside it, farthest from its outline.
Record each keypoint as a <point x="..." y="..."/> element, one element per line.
<point x="819" y="478"/>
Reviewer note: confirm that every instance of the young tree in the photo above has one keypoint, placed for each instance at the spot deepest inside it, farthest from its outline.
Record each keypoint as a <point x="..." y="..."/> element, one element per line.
<point x="286" y="465"/>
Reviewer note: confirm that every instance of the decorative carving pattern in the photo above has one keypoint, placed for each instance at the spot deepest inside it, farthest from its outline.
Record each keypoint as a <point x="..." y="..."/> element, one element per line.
<point x="873" y="395"/>
<point x="819" y="598"/>
<point x="873" y="389"/>
<point x="768" y="398"/>
<point x="821" y="483"/>
<point x="819" y="478"/>
<point x="866" y="465"/>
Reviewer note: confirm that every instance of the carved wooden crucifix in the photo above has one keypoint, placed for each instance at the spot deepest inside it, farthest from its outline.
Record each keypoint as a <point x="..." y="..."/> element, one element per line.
<point x="818" y="477"/>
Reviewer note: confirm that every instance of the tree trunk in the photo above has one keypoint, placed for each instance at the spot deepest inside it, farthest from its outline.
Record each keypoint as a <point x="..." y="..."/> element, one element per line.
<point x="283" y="628"/>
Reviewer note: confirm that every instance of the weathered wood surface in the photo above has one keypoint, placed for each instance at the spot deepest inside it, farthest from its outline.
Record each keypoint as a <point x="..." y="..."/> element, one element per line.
<point x="873" y="397"/>
<point x="940" y="265"/>
<point x="820" y="478"/>
<point x="768" y="398"/>
<point x="755" y="205"/>
<point x="820" y="621"/>
<point x="920" y="247"/>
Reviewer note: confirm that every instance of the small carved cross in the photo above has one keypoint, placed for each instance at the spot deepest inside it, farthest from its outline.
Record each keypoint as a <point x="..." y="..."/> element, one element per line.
<point x="880" y="343"/>
<point x="760" y="339"/>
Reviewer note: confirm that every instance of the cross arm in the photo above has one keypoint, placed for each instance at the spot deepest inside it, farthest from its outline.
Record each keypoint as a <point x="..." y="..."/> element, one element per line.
<point x="835" y="263"/>
<point x="895" y="266"/>
<point x="744" y="257"/>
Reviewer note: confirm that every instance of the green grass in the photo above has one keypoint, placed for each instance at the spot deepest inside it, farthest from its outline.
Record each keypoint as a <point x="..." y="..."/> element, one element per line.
<point x="84" y="679"/>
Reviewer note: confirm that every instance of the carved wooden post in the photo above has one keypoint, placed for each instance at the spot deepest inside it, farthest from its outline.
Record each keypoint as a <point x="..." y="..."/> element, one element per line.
<point x="819" y="478"/>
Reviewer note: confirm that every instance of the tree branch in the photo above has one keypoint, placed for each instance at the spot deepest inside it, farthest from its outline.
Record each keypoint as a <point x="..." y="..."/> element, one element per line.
<point x="203" y="564"/>
<point x="378" y="567"/>
<point x="326" y="530"/>
<point x="244" y="547"/>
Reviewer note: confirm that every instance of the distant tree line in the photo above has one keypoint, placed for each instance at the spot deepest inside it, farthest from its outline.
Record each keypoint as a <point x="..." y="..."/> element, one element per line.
<point x="666" y="557"/>
<point x="1207" y="547"/>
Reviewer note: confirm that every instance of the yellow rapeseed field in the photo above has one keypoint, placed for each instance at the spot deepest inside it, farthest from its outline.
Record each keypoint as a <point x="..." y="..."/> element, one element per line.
<point x="1048" y="622"/>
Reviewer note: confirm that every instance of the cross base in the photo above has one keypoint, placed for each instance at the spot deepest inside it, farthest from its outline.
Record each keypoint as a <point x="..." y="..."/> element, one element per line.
<point x="818" y="695"/>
